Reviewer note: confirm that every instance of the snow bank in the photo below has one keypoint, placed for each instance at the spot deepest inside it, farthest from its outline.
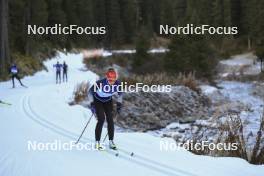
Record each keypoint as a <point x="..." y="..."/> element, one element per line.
<point x="106" y="53"/>
<point x="208" y="90"/>
<point x="240" y="64"/>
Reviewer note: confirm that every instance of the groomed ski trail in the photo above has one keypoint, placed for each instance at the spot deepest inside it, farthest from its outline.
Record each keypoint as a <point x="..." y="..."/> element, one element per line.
<point x="137" y="159"/>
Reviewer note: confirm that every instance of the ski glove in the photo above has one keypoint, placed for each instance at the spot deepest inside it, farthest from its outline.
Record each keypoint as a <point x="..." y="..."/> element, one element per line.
<point x="93" y="108"/>
<point x="118" y="107"/>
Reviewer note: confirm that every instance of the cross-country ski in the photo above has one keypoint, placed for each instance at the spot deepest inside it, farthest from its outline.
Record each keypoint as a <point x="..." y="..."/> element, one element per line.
<point x="5" y="103"/>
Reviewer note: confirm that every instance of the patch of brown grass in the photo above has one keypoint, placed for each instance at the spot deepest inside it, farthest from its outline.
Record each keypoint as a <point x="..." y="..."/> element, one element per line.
<point x="163" y="78"/>
<point x="231" y="132"/>
<point x="188" y="80"/>
<point x="80" y="93"/>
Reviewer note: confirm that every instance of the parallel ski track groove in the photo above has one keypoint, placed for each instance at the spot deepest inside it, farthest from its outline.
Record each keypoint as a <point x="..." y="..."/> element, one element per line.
<point x="141" y="161"/>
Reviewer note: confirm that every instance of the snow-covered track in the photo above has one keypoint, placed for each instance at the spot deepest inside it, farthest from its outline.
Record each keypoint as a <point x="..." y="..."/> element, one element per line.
<point x="138" y="159"/>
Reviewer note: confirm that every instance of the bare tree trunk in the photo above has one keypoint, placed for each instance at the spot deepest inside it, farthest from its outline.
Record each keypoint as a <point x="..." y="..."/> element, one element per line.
<point x="26" y="22"/>
<point x="137" y="13"/>
<point x="249" y="43"/>
<point x="4" y="44"/>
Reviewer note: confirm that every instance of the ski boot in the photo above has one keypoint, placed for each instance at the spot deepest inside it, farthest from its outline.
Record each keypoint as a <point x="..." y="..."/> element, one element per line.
<point x="112" y="145"/>
<point x="98" y="146"/>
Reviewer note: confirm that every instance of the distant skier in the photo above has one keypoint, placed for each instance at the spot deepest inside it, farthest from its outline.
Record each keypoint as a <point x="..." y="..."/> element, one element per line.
<point x="102" y="105"/>
<point x="58" y="67"/>
<point x="14" y="74"/>
<point x="65" y="72"/>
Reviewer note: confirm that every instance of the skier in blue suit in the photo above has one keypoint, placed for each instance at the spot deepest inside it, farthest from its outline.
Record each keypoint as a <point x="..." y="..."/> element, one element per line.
<point x="14" y="74"/>
<point x="58" y="68"/>
<point x="102" y="105"/>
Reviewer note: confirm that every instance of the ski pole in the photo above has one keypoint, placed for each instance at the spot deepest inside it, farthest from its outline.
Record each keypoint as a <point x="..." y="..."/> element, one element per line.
<point x="84" y="129"/>
<point x="105" y="137"/>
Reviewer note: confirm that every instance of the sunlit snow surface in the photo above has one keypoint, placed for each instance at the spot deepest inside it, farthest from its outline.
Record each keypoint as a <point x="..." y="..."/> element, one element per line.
<point x="41" y="113"/>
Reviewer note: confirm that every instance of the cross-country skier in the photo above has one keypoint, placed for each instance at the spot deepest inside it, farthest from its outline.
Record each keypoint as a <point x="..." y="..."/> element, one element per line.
<point x="65" y="72"/>
<point x="58" y="67"/>
<point x="14" y="74"/>
<point x="102" y="105"/>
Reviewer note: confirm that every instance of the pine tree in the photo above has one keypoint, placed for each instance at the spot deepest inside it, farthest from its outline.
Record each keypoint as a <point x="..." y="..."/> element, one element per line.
<point x="70" y="8"/>
<point x="128" y="18"/>
<point x="57" y="16"/>
<point x="17" y="24"/>
<point x="35" y="14"/>
<point x="99" y="14"/>
<point x="167" y="16"/>
<point x="86" y="17"/>
<point x="115" y="33"/>
<point x="145" y="7"/>
<point x="142" y="47"/>
<point x="180" y="11"/>
<point x="190" y="53"/>
<point x="218" y="12"/>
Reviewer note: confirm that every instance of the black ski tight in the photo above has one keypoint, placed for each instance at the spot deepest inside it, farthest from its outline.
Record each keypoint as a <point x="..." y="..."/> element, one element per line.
<point x="65" y="76"/>
<point x="18" y="78"/>
<point x="104" y="111"/>
<point x="58" y="76"/>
